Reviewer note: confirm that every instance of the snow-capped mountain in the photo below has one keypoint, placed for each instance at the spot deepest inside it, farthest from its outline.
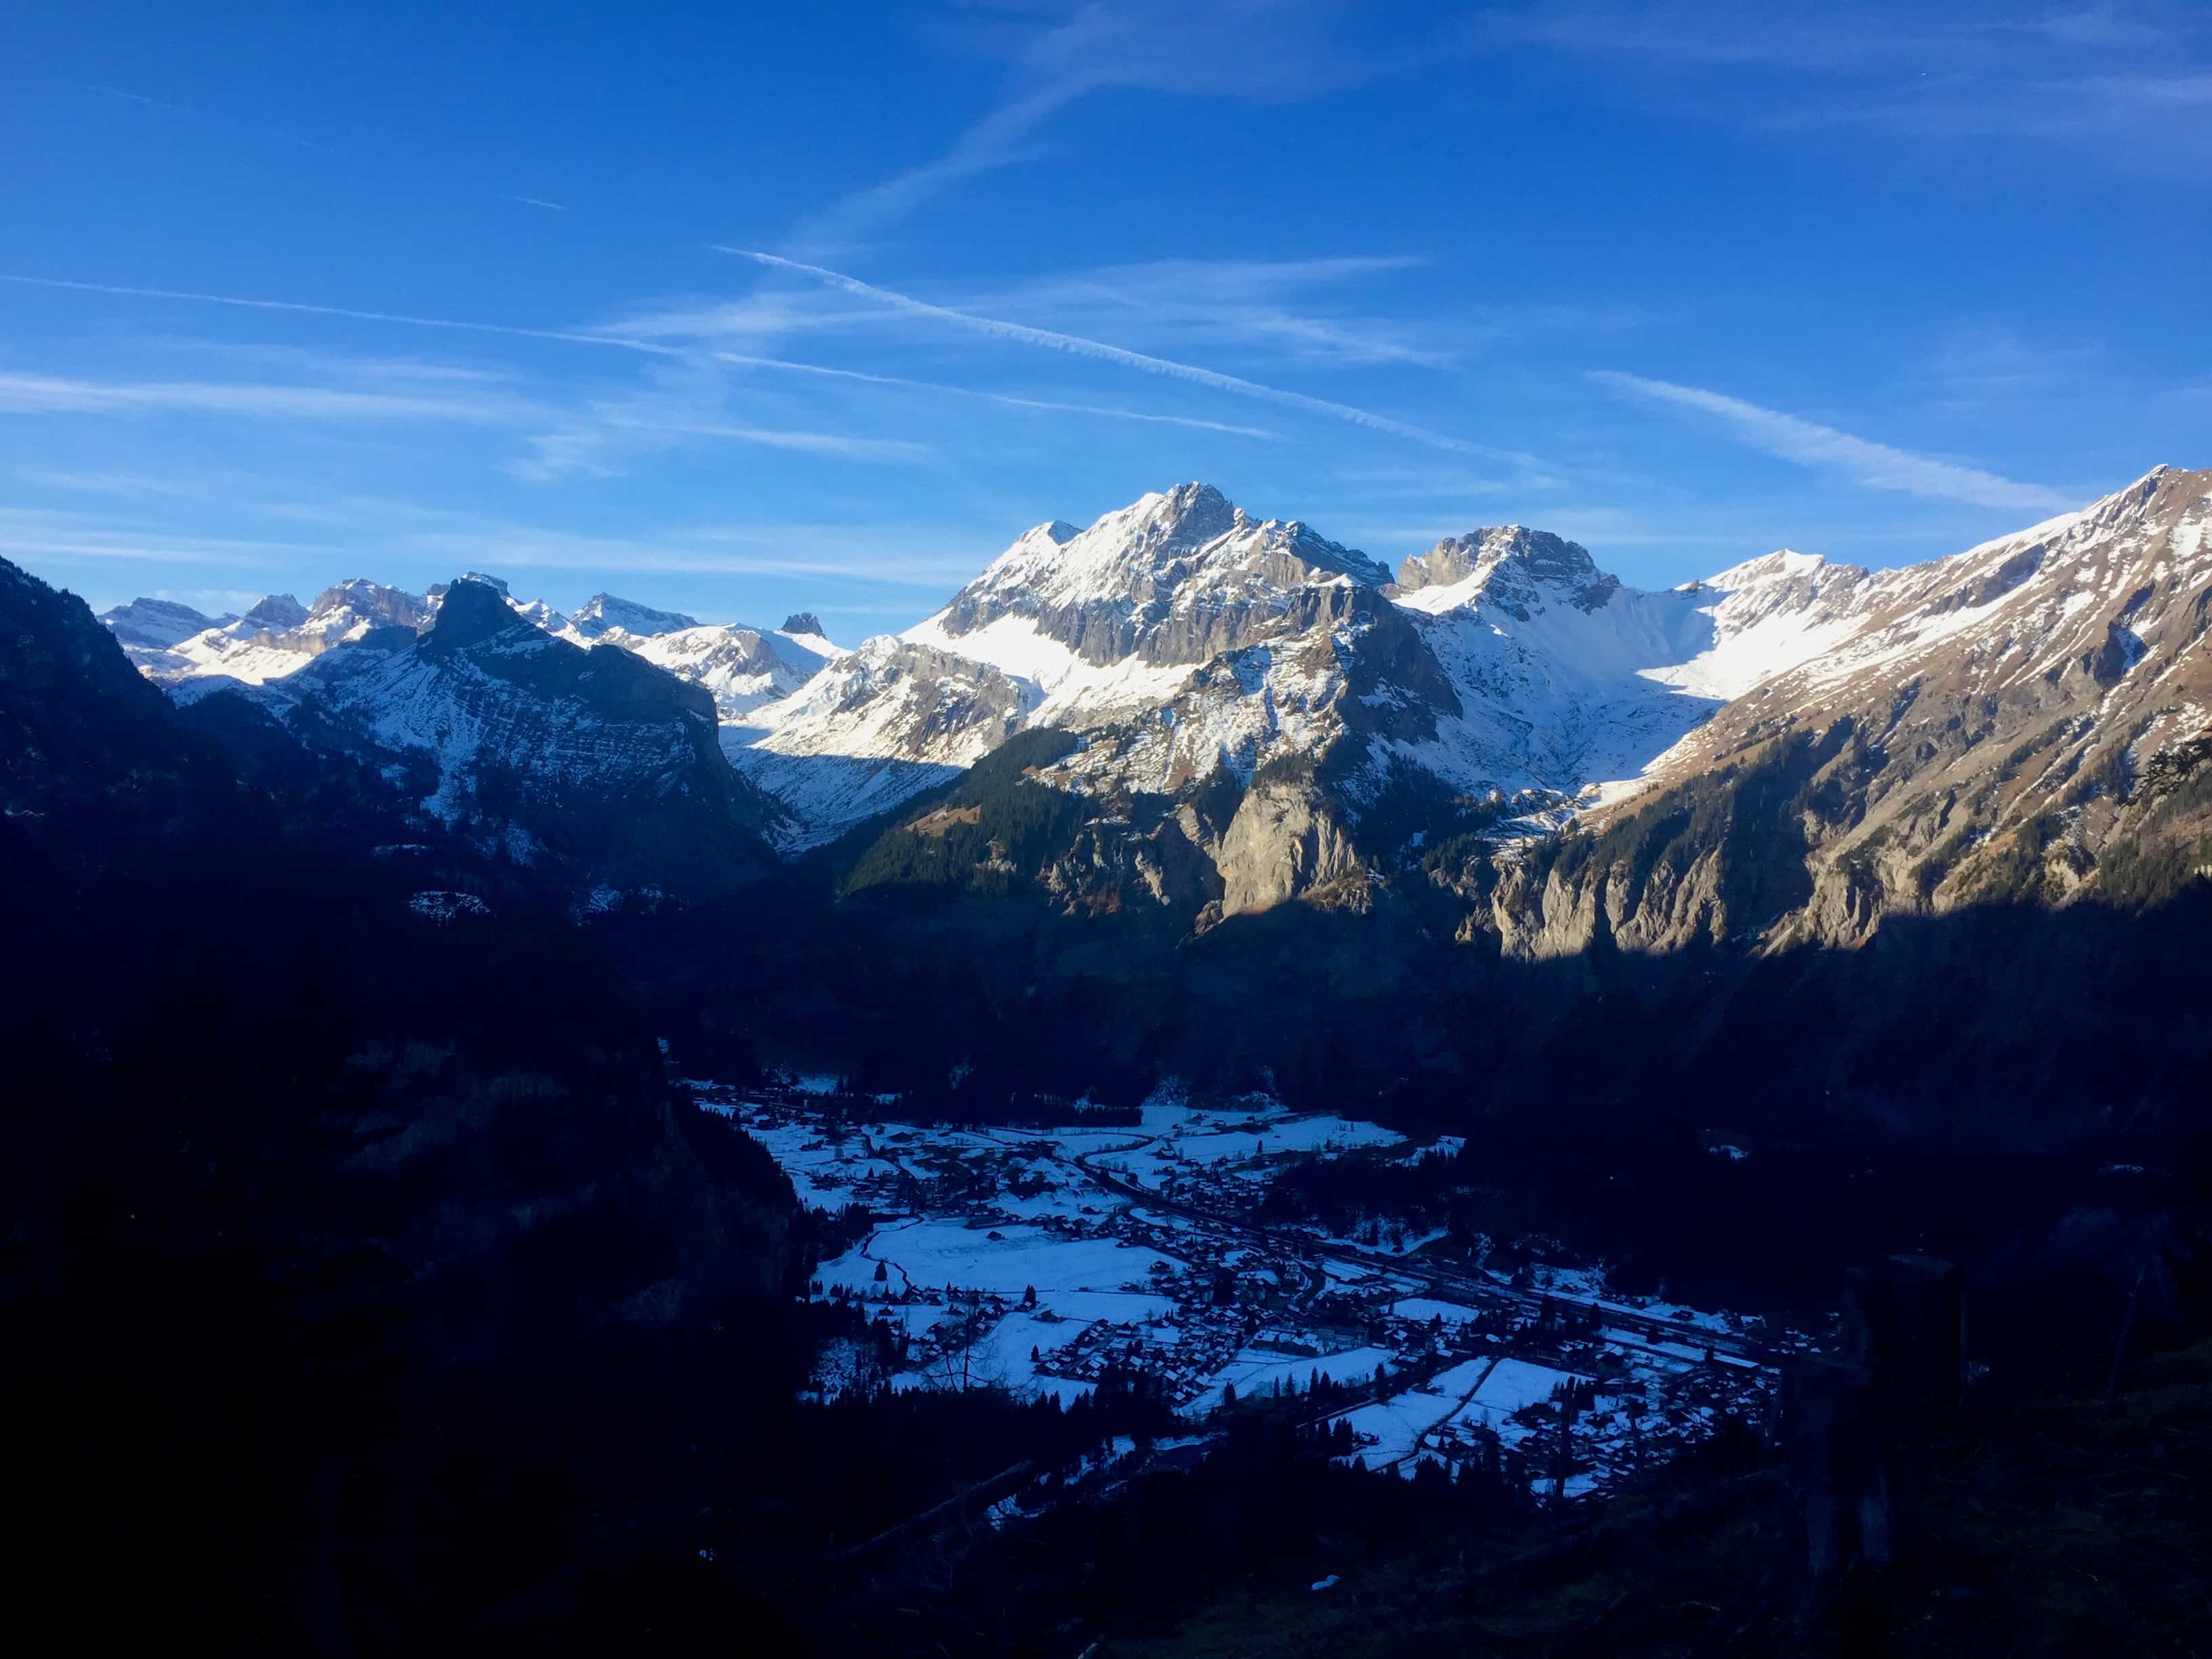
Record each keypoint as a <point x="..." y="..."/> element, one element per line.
<point x="1290" y="713"/>
<point x="872" y="729"/>
<point x="1500" y="677"/>
<point x="279" y="635"/>
<point x="593" y="762"/>
<point x="1570" y="682"/>
<point x="1198" y="637"/>
<point x="2028" y="718"/>
<point x="743" y="668"/>
<point x="1187" y="638"/>
<point x="603" y="614"/>
<point x="157" y="625"/>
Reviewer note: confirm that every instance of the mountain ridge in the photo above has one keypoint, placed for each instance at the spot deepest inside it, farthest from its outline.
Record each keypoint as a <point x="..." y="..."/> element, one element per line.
<point x="1312" y="724"/>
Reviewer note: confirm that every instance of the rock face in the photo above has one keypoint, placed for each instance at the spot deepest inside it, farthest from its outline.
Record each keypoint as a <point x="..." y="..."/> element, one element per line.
<point x="1282" y="842"/>
<point x="1187" y="642"/>
<point x="1180" y="637"/>
<point x="158" y="625"/>
<point x="873" y="729"/>
<point x="596" y="762"/>
<point x="278" y="636"/>
<point x="743" y="668"/>
<point x="1176" y="579"/>
<point x="2028" y="719"/>
<point x="1517" y="567"/>
<point x="277" y="612"/>
<point x="1907" y="740"/>
<point x="603" y="614"/>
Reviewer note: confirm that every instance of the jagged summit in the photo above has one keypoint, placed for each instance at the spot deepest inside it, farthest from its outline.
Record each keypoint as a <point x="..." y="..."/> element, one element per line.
<point x="604" y="613"/>
<point x="1784" y="563"/>
<point x="158" y="625"/>
<point x="1513" y="565"/>
<point x="357" y="600"/>
<point x="1175" y="576"/>
<point x="1180" y="640"/>
<point x="472" y="610"/>
<point x="1151" y="531"/>
<point x="277" y="612"/>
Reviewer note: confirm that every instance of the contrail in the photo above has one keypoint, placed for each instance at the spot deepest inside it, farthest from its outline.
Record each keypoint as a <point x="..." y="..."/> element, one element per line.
<point x="348" y="312"/>
<point x="995" y="396"/>
<point x="627" y="343"/>
<point x="1076" y="345"/>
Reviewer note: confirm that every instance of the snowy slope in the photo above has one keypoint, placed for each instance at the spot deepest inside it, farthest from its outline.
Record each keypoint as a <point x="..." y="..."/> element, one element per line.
<point x="157" y="625"/>
<point x="603" y="614"/>
<point x="590" y="760"/>
<point x="1569" y="681"/>
<point x="1198" y="637"/>
<point x="1190" y="637"/>
<point x="279" y="637"/>
<point x="744" y="668"/>
<point x="2026" y="720"/>
<point x="872" y="728"/>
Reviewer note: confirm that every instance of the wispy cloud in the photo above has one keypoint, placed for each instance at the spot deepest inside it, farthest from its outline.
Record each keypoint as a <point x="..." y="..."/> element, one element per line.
<point x="46" y="394"/>
<point x="1280" y="305"/>
<point x="1876" y="465"/>
<point x="867" y="554"/>
<point x="1098" y="350"/>
<point x="1411" y="483"/>
<point x="1263" y="51"/>
<point x="573" y="442"/>
<point x="1975" y="365"/>
<point x="236" y="491"/>
<point x="39" y="533"/>
<point x="258" y="129"/>
<point x="995" y="140"/>
<point x="674" y="335"/>
<point x="1009" y="399"/>
<point x="1061" y="51"/>
<point x="588" y="445"/>
<point x="574" y="337"/>
<point x="2073" y="76"/>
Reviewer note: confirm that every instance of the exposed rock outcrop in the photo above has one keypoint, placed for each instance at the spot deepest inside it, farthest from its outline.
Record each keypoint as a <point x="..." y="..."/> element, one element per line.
<point x="1285" y="842"/>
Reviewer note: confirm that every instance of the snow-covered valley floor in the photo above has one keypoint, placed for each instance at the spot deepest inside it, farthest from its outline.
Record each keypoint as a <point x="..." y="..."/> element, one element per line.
<point x="1037" y="1260"/>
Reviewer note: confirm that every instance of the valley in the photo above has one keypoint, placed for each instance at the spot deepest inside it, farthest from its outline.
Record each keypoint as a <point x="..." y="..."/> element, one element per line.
<point x="1107" y="830"/>
<point x="1035" y="1261"/>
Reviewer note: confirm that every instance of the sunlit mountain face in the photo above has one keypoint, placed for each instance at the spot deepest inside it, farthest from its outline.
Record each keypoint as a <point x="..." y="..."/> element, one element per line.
<point x="1048" y="830"/>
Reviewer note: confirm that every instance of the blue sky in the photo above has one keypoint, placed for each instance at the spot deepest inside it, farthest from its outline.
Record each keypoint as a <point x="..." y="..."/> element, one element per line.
<point x="749" y="313"/>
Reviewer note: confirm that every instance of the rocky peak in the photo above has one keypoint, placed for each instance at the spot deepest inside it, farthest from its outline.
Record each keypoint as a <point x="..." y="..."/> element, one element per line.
<point x="470" y="612"/>
<point x="277" y="612"/>
<point x="1512" y="566"/>
<point x="604" y="613"/>
<point x="157" y="625"/>
<point x="802" y="622"/>
<point x="372" y="602"/>
<point x="1783" y="564"/>
<point x="1104" y="592"/>
<point x="1179" y="520"/>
